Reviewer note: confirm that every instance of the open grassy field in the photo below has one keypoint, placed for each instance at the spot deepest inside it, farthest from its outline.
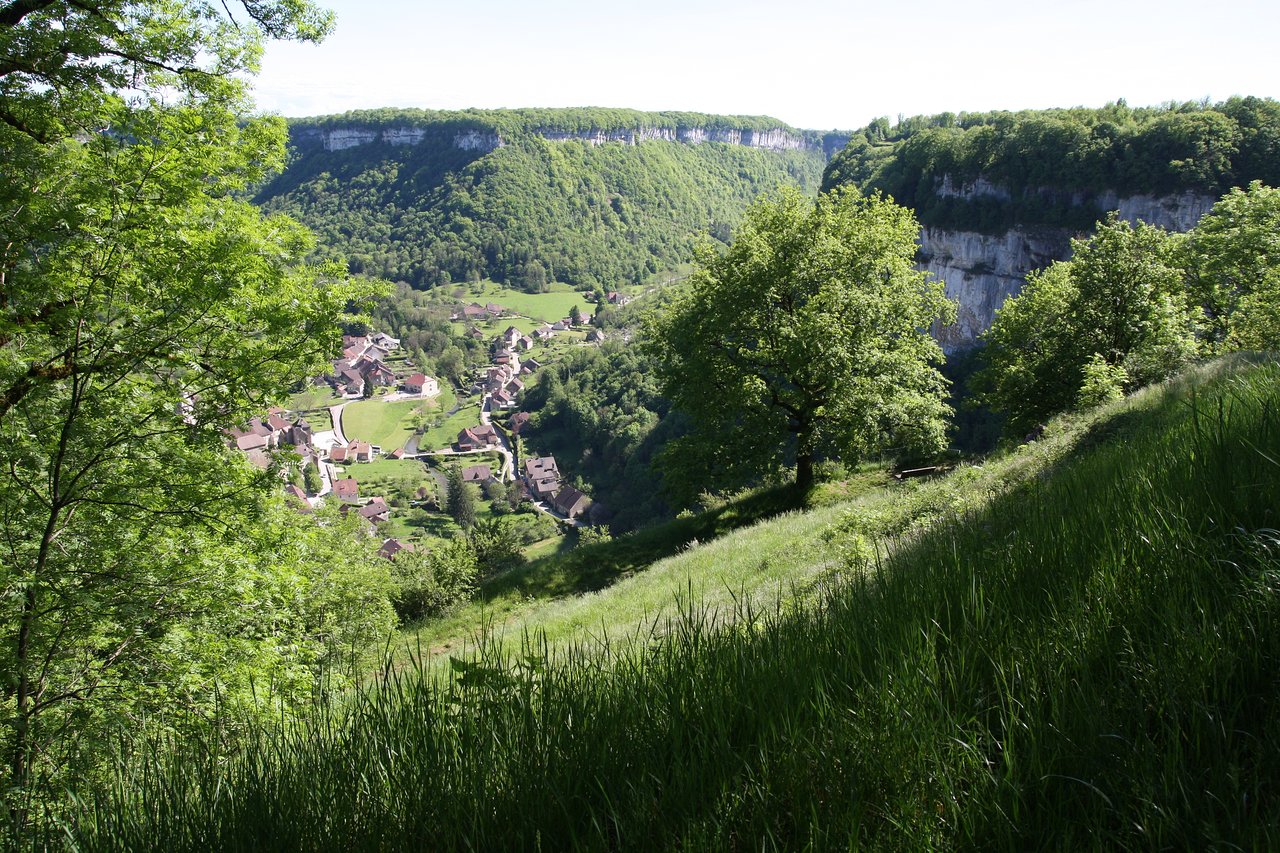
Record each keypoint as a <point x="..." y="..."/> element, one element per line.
<point x="389" y="424"/>
<point x="445" y="433"/>
<point x="546" y="307"/>
<point x="1073" y="646"/>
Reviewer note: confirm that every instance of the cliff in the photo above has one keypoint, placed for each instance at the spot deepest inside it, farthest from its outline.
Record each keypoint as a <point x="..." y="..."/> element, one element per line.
<point x="339" y="138"/>
<point x="488" y="130"/>
<point x="981" y="271"/>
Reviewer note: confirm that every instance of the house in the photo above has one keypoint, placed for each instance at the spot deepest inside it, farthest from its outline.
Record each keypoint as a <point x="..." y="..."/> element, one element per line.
<point x="394" y="546"/>
<point x="513" y="387"/>
<point x="420" y="383"/>
<point x="541" y="466"/>
<point x="502" y="399"/>
<point x="595" y="336"/>
<point x="510" y="337"/>
<point x="471" y="312"/>
<point x="477" y="437"/>
<point x="529" y="366"/>
<point x="616" y="298"/>
<point x="543" y="476"/>
<point x="300" y="434"/>
<point x="278" y="424"/>
<point x="518" y="421"/>
<point x="375" y="511"/>
<point x="347" y="490"/>
<point x="561" y="326"/>
<point x="356" y="451"/>
<point x="544" y="333"/>
<point x="495" y="310"/>
<point x="477" y="474"/>
<point x="251" y="441"/>
<point x="373" y="370"/>
<point x="384" y="341"/>
<point x="571" y="502"/>
<point x="475" y="333"/>
<point x="525" y="343"/>
<point x="296" y="493"/>
<point x="397" y="454"/>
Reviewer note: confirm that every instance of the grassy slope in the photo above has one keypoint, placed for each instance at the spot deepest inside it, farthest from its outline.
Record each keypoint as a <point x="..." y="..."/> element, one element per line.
<point x="1079" y="651"/>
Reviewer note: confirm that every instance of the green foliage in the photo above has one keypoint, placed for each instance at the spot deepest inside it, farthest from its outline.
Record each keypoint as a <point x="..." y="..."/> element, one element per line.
<point x="311" y="480"/>
<point x="429" y="583"/>
<point x="599" y="412"/>
<point x="1232" y="260"/>
<point x="1120" y="303"/>
<point x="148" y="582"/>
<point x="1103" y="383"/>
<point x="496" y="544"/>
<point x="531" y="211"/>
<point x="460" y="500"/>
<point x="809" y="337"/>
<point x="1052" y="167"/>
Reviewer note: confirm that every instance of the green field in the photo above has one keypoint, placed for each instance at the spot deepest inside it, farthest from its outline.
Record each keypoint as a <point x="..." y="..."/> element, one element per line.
<point x="386" y="424"/>
<point x="315" y="397"/>
<point x="446" y="433"/>
<point x="547" y="307"/>
<point x="1072" y="646"/>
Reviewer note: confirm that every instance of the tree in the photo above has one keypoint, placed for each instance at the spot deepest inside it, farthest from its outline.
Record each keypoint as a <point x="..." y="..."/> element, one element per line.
<point x="1231" y="255"/>
<point x="460" y="502"/>
<point x="144" y="308"/>
<point x="428" y="583"/>
<point x="1117" y="309"/>
<point x="575" y="316"/>
<point x="808" y="336"/>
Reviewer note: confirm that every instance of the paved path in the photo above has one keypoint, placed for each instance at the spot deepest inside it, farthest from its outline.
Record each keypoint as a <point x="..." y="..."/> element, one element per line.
<point x="335" y="412"/>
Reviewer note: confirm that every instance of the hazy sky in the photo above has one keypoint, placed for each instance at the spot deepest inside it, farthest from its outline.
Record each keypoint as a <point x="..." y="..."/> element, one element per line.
<point x="812" y="63"/>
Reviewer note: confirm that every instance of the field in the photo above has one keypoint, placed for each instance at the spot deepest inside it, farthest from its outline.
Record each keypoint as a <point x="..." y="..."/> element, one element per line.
<point x="446" y="432"/>
<point x="546" y="307"/>
<point x="389" y="424"/>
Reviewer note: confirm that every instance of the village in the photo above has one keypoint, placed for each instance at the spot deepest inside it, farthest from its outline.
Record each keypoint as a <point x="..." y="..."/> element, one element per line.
<point x="408" y="482"/>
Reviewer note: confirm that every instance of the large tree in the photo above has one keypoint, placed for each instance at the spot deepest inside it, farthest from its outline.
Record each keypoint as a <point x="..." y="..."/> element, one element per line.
<point x="144" y="308"/>
<point x="1119" y="304"/>
<point x="808" y="337"/>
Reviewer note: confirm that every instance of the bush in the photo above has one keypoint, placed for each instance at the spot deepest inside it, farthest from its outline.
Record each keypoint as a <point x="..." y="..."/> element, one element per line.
<point x="429" y="583"/>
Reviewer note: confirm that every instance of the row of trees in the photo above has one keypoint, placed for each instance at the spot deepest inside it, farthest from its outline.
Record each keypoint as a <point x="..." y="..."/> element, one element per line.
<point x="1047" y="161"/>
<point x="1132" y="305"/>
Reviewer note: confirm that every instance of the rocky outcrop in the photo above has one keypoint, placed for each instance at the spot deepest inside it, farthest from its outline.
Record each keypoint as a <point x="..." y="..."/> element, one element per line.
<point x="981" y="271"/>
<point x="340" y="138"/>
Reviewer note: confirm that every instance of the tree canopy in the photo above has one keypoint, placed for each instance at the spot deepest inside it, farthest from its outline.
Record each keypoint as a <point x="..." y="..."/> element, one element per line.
<point x="809" y="336"/>
<point x="145" y="308"/>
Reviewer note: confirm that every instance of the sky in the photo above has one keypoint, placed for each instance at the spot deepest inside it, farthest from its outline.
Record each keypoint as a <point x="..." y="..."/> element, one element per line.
<point x="815" y="64"/>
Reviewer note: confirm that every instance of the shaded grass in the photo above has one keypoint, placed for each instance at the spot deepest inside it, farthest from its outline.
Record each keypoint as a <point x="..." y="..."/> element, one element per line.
<point x="1073" y="648"/>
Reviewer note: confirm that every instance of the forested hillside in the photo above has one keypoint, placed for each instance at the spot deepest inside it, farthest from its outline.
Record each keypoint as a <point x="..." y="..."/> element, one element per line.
<point x="990" y="171"/>
<point x="519" y="198"/>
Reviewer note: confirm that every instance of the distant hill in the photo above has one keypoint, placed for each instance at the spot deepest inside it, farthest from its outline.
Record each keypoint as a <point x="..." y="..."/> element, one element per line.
<point x="589" y="197"/>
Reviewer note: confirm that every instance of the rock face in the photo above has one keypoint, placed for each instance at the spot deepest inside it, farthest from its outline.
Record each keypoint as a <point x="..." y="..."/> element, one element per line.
<point x="981" y="271"/>
<point x="343" y="137"/>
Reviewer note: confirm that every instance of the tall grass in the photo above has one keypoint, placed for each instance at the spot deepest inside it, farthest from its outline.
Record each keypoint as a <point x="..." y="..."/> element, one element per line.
<point x="1087" y="660"/>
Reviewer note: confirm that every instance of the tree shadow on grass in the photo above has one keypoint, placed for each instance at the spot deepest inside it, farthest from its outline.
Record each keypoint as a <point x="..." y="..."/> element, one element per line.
<point x="579" y="569"/>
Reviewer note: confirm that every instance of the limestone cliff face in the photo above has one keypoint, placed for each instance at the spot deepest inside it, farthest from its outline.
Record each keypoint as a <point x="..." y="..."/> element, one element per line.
<point x="981" y="271"/>
<point x="343" y="137"/>
<point x="352" y="136"/>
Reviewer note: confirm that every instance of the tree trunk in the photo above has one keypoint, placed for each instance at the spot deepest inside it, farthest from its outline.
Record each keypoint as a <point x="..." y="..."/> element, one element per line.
<point x="804" y="472"/>
<point x="804" y="460"/>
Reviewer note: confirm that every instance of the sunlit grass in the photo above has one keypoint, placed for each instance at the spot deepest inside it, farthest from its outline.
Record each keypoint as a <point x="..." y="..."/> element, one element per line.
<point x="1072" y="647"/>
